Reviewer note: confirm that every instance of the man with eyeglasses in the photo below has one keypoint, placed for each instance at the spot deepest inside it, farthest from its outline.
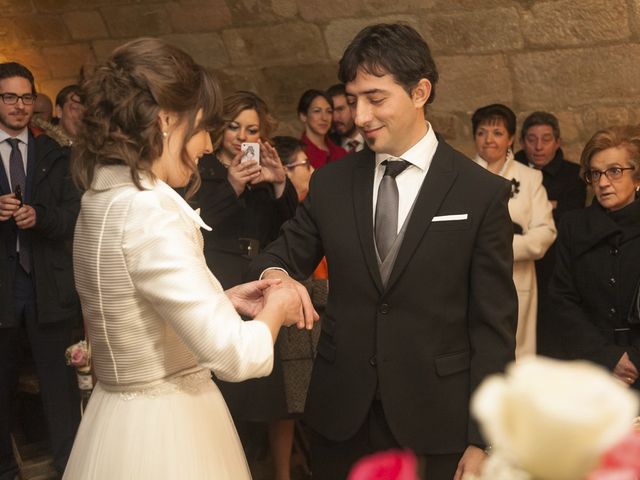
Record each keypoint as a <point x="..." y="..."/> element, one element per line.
<point x="38" y="209"/>
<point x="541" y="149"/>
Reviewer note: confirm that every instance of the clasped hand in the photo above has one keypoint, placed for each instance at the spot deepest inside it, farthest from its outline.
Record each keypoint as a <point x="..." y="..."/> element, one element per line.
<point x="289" y="297"/>
<point x="10" y="206"/>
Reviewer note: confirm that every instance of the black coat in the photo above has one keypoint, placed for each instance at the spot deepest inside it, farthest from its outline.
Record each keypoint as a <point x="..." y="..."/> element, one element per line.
<point x="564" y="186"/>
<point x="597" y="271"/>
<point x="51" y="192"/>
<point x="255" y="215"/>
<point x="445" y="319"/>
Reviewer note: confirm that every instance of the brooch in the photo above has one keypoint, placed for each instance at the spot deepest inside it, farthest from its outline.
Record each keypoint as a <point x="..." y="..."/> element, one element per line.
<point x="515" y="188"/>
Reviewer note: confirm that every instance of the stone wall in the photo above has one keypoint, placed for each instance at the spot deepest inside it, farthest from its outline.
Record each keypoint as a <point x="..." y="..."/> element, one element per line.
<point x="578" y="59"/>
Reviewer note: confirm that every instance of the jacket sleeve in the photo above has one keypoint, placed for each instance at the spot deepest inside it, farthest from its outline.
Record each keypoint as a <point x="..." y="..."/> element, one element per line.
<point x="168" y="269"/>
<point x="581" y="338"/>
<point x="216" y="198"/>
<point x="493" y="304"/>
<point x="298" y="249"/>
<point x="56" y="213"/>
<point x="540" y="232"/>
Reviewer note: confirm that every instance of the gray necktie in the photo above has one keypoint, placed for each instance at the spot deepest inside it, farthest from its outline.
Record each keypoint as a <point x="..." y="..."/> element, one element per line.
<point x="18" y="177"/>
<point x="386" y="229"/>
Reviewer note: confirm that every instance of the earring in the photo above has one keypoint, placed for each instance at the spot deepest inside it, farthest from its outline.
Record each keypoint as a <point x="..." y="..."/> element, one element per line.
<point x="165" y="134"/>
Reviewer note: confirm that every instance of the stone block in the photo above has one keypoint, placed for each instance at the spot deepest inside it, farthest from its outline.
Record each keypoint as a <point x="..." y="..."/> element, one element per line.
<point x="286" y="43"/>
<point x="34" y="28"/>
<point x="285" y="8"/>
<point x="59" y="6"/>
<point x="469" y="82"/>
<point x="473" y="5"/>
<point x="575" y="77"/>
<point x="206" y="48"/>
<point x="570" y="23"/>
<point x="202" y="16"/>
<point x="31" y="58"/>
<point x="136" y="20"/>
<point x="283" y="86"/>
<point x="85" y="25"/>
<point x="339" y="33"/>
<point x="384" y="7"/>
<point x="323" y="10"/>
<point x="68" y="60"/>
<point x="258" y="12"/>
<point x="102" y="48"/>
<point x="231" y="80"/>
<point x="446" y="124"/>
<point x="486" y="30"/>
<point x="11" y="7"/>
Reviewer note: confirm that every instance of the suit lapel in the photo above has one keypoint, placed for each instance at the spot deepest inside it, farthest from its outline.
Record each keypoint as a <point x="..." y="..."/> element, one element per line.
<point x="363" y="210"/>
<point x="437" y="183"/>
<point x="31" y="167"/>
<point x="4" y="182"/>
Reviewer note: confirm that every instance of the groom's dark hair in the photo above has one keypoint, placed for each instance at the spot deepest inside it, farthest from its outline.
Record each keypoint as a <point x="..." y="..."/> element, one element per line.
<point x="395" y="49"/>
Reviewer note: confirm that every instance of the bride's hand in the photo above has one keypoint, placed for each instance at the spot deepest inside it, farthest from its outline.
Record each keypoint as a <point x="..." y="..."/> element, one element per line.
<point x="248" y="298"/>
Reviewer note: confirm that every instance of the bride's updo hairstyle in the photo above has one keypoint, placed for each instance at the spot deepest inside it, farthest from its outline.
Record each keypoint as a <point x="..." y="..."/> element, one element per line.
<point x="123" y="99"/>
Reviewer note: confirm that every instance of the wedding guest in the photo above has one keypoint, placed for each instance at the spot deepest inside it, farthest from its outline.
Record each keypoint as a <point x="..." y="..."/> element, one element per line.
<point x="343" y="128"/>
<point x="541" y="149"/>
<point x="315" y="111"/>
<point x="593" y="290"/>
<point x="494" y="128"/>
<point x="245" y="202"/>
<point x="42" y="108"/>
<point x="38" y="302"/>
<point x="69" y="110"/>
<point x="158" y="320"/>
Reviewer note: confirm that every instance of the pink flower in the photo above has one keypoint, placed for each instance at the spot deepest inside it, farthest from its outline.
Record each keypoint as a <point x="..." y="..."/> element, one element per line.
<point x="390" y="465"/>
<point x="622" y="461"/>
<point x="78" y="358"/>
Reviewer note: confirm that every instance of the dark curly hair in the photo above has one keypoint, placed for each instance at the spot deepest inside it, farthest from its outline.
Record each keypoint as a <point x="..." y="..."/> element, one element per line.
<point x="123" y="100"/>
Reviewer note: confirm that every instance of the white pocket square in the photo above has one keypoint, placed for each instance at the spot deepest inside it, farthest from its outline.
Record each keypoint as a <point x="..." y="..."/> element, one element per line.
<point x="450" y="218"/>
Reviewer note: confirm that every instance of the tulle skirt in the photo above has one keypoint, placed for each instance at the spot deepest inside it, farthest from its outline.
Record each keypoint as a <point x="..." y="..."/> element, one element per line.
<point x="179" y="429"/>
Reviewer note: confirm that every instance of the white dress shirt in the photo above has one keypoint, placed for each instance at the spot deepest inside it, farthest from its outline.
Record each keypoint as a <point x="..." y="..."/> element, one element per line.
<point x="5" y="151"/>
<point x="410" y="180"/>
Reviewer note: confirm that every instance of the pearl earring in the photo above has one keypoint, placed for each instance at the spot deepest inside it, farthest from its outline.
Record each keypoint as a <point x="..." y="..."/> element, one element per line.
<point x="165" y="134"/>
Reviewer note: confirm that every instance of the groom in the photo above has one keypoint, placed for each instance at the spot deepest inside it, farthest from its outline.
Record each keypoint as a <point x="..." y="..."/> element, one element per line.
<point x="421" y="305"/>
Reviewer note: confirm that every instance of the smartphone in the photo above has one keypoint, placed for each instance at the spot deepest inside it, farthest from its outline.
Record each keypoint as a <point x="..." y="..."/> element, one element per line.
<point x="250" y="152"/>
<point x="18" y="193"/>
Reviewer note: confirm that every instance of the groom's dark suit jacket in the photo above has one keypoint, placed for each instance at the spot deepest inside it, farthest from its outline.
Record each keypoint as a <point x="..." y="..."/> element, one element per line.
<point x="445" y="320"/>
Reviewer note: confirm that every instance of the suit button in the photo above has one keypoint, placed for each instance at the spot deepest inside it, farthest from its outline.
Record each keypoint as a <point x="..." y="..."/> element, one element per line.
<point x="384" y="309"/>
<point x="612" y="312"/>
<point x="612" y="281"/>
<point x="613" y="251"/>
<point x="373" y="361"/>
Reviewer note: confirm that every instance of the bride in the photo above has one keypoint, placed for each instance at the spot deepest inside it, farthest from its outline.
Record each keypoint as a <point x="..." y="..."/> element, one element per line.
<point x="158" y="320"/>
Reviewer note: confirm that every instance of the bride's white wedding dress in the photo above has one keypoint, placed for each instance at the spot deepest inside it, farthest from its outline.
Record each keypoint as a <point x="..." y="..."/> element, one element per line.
<point x="158" y="322"/>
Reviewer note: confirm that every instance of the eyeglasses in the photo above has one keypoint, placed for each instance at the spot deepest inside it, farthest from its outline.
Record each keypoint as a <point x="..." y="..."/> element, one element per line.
<point x="12" y="98"/>
<point x="612" y="173"/>
<point x="303" y="163"/>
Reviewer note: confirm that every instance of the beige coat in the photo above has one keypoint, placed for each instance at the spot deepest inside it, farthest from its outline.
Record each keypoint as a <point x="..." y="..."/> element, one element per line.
<point x="530" y="208"/>
<point x="152" y="307"/>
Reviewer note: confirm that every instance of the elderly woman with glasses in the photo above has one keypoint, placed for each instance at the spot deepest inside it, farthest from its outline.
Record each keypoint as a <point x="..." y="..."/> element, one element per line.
<point x="594" y="286"/>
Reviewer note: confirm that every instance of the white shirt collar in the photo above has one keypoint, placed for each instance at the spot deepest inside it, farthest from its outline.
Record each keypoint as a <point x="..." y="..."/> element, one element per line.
<point x="420" y="154"/>
<point x="22" y="136"/>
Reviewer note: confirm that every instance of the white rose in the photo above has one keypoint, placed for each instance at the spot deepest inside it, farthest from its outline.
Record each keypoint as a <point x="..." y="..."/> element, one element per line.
<point x="553" y="419"/>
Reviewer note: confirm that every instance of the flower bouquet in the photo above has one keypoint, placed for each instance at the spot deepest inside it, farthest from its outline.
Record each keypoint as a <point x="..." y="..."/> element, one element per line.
<point x="78" y="355"/>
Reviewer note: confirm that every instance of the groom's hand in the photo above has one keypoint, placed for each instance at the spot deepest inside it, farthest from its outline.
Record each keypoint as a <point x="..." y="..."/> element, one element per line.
<point x="305" y="315"/>
<point x="471" y="462"/>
